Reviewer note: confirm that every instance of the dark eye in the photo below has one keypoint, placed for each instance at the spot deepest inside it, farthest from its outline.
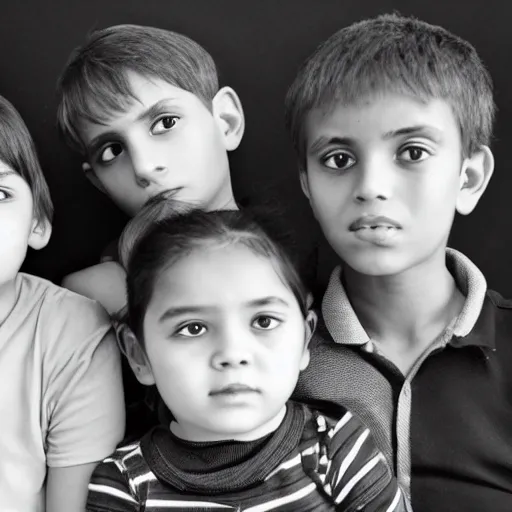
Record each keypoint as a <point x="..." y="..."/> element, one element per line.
<point x="110" y="152"/>
<point x="414" y="154"/>
<point x="339" y="160"/>
<point x="4" y="195"/>
<point x="265" y="322"/>
<point x="164" y="124"/>
<point x="192" y="330"/>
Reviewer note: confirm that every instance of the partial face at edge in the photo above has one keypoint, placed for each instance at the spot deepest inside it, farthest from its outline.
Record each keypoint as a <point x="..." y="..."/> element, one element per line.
<point x="384" y="179"/>
<point x="225" y="341"/>
<point x="18" y="227"/>
<point x="166" y="140"/>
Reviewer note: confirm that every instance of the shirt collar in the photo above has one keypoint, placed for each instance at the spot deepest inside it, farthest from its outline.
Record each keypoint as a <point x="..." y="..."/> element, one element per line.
<point x="345" y="328"/>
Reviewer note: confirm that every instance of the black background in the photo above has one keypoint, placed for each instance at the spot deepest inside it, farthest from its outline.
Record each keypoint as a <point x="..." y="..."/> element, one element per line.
<point x="258" y="45"/>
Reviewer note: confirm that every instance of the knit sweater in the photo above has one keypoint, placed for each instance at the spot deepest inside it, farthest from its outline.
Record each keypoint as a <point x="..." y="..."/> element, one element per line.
<point x="310" y="462"/>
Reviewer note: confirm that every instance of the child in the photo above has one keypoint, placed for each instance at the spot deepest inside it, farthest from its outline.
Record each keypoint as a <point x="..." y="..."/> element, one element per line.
<point x="60" y="384"/>
<point x="218" y="320"/>
<point x="391" y="118"/>
<point x="144" y="108"/>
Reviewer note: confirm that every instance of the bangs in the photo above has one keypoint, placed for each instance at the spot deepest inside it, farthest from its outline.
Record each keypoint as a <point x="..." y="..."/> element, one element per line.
<point x="95" y="82"/>
<point x="97" y="99"/>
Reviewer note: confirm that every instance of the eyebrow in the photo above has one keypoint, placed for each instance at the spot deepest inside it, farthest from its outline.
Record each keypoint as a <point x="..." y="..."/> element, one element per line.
<point x="149" y="113"/>
<point x="427" y="131"/>
<point x="154" y="109"/>
<point x="7" y="173"/>
<point x="171" y="313"/>
<point x="323" y="141"/>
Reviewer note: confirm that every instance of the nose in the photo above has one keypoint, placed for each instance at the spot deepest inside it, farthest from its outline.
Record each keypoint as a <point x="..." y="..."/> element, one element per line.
<point x="146" y="163"/>
<point x="232" y="350"/>
<point x="374" y="181"/>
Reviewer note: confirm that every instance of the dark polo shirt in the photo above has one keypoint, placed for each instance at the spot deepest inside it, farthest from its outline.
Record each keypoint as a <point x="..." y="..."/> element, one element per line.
<point x="446" y="426"/>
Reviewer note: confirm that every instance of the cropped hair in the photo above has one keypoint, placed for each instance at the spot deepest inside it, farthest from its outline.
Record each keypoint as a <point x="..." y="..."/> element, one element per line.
<point x="18" y="151"/>
<point x="94" y="84"/>
<point x="392" y="53"/>
<point x="170" y="239"/>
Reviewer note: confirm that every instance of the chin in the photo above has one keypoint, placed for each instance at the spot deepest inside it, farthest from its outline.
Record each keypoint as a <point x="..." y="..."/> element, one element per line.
<point x="376" y="264"/>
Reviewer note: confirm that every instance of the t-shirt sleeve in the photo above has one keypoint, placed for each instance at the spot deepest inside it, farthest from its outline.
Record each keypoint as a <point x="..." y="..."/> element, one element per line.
<point x="83" y="393"/>
<point x="109" y="490"/>
<point x="357" y="475"/>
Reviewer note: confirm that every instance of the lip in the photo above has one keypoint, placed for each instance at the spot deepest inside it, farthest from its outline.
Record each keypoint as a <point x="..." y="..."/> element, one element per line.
<point x="373" y="222"/>
<point x="234" y="389"/>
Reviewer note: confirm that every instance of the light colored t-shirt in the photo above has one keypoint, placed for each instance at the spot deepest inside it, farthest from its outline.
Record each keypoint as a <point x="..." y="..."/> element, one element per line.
<point x="61" y="397"/>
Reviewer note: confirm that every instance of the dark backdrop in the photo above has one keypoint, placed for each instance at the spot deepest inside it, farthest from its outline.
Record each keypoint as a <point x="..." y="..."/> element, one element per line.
<point x="258" y="45"/>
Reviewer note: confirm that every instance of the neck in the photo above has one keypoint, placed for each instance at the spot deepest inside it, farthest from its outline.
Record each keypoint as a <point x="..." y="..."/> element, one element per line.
<point x="195" y="433"/>
<point x="7" y="299"/>
<point x="409" y="309"/>
<point x="224" y="200"/>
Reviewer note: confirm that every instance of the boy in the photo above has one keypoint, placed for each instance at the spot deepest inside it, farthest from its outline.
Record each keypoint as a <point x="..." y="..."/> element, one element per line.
<point x="61" y="395"/>
<point x="144" y="108"/>
<point x="391" y="118"/>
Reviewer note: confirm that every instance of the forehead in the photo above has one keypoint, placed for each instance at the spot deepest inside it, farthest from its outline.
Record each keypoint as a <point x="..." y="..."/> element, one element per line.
<point x="9" y="176"/>
<point x="380" y="116"/>
<point x="220" y="276"/>
<point x="145" y="93"/>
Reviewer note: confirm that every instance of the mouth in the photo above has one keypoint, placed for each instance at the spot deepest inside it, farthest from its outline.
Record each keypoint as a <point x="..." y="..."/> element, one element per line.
<point x="234" y="389"/>
<point x="374" y="222"/>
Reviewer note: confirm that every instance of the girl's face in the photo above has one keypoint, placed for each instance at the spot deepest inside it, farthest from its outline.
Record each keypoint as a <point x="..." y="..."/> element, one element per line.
<point x="225" y="341"/>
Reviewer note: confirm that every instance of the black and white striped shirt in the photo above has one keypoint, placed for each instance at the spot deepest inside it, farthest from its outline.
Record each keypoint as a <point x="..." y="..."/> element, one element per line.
<point x="322" y="464"/>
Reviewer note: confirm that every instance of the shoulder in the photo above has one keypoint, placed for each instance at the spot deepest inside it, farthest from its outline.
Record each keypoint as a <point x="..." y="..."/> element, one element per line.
<point x="352" y="468"/>
<point x="129" y="461"/>
<point x="104" y="282"/>
<point x="60" y="321"/>
<point x="336" y="430"/>
<point x="495" y="323"/>
<point x="73" y="312"/>
<point x="116" y="479"/>
<point x="58" y="304"/>
<point x="499" y="301"/>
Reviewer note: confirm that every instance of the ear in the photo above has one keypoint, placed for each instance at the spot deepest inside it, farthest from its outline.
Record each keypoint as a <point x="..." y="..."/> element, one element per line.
<point x="304" y="182"/>
<point x="40" y="233"/>
<point x="474" y="178"/>
<point x="131" y="348"/>
<point x="227" y="110"/>
<point x="91" y="176"/>
<point x="310" y="322"/>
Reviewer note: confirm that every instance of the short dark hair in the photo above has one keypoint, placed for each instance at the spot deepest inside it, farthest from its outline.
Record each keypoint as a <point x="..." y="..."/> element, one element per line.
<point x="94" y="82"/>
<point x="168" y="240"/>
<point x="18" y="151"/>
<point x="397" y="54"/>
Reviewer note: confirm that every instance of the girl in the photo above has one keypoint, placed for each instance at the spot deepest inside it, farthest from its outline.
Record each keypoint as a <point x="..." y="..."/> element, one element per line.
<point x="218" y="319"/>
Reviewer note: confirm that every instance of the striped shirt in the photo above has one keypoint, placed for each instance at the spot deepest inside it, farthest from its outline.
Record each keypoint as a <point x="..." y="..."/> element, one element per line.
<point x="329" y="465"/>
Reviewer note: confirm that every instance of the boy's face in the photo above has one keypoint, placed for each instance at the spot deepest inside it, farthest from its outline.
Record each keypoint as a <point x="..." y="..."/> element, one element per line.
<point x="166" y="140"/>
<point x="18" y="228"/>
<point x="383" y="178"/>
<point x="225" y="340"/>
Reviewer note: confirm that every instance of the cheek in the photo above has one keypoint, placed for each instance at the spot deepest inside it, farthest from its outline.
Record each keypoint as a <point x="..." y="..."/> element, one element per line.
<point x="15" y="225"/>
<point x="434" y="197"/>
<point x="328" y="194"/>
<point x="170" y="364"/>
<point x="287" y="356"/>
<point x="13" y="248"/>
